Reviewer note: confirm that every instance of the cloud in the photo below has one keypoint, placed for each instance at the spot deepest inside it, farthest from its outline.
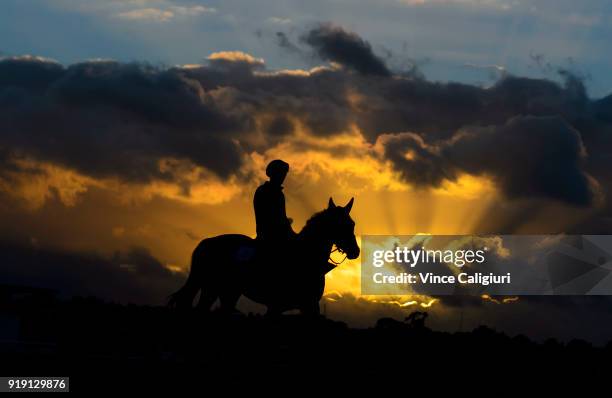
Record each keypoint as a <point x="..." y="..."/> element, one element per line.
<point x="495" y="4"/>
<point x="528" y="157"/>
<point x="285" y="43"/>
<point x="107" y="119"/>
<point x="163" y="14"/>
<point x="147" y="14"/>
<point x="172" y="130"/>
<point x="225" y="59"/>
<point x="495" y="71"/>
<point x="133" y="276"/>
<point x="192" y="10"/>
<point x="34" y="183"/>
<point x="333" y="43"/>
<point x="280" y="21"/>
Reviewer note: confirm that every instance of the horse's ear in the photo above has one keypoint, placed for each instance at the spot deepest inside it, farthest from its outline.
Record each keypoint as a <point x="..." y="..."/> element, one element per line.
<point x="331" y="204"/>
<point x="349" y="205"/>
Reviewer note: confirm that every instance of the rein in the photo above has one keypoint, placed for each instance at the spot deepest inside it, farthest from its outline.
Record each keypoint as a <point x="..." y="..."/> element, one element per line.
<point x="339" y="251"/>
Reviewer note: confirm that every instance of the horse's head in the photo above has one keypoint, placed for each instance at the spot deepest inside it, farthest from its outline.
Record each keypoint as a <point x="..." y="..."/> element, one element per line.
<point x="342" y="228"/>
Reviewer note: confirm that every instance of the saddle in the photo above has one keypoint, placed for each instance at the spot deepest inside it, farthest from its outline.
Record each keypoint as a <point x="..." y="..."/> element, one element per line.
<point x="246" y="253"/>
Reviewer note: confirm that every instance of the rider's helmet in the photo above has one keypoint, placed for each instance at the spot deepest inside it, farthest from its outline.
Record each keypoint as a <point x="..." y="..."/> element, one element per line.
<point x="277" y="168"/>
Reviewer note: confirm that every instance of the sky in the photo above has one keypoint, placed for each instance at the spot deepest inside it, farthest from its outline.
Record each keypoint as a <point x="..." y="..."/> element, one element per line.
<point x="132" y="129"/>
<point x="460" y="40"/>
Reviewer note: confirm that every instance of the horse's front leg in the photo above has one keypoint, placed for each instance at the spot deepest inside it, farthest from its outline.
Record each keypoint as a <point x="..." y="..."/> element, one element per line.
<point x="311" y="306"/>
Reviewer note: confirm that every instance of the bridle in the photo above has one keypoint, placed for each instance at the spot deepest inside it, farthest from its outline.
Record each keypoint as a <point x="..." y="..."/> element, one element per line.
<point x="337" y="249"/>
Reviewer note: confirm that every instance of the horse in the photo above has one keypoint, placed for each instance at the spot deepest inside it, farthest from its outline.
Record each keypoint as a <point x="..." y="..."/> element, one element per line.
<point x="226" y="267"/>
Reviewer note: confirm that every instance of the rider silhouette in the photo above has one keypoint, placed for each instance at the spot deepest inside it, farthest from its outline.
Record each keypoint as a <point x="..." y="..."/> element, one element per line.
<point x="273" y="226"/>
<point x="275" y="237"/>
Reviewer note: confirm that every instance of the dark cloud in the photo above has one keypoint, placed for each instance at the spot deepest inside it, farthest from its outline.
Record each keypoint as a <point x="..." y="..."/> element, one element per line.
<point x="286" y="44"/>
<point x="279" y="126"/>
<point x="134" y="276"/>
<point x="108" y="119"/>
<point x="28" y="73"/>
<point x="537" y="138"/>
<point x="333" y="43"/>
<point x="528" y="157"/>
<point x="415" y="160"/>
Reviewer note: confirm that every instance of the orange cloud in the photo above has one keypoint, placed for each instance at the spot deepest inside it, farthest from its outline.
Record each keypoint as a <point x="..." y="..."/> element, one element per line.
<point x="235" y="56"/>
<point x="37" y="182"/>
<point x="34" y="182"/>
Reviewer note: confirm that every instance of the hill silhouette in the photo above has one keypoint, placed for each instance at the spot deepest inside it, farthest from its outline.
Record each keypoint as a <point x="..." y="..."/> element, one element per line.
<point x="104" y="346"/>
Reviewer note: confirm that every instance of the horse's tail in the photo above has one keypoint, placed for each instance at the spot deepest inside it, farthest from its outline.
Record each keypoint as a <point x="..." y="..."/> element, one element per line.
<point x="183" y="298"/>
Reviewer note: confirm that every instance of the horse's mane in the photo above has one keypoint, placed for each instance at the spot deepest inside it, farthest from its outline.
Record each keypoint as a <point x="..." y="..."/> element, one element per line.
<point x="315" y="222"/>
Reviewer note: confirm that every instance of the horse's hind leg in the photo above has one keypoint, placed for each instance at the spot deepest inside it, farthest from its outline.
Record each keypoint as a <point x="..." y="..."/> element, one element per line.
<point x="207" y="299"/>
<point x="183" y="298"/>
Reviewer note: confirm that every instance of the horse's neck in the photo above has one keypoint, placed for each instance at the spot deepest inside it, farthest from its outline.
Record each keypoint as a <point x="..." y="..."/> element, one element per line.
<point x="315" y="244"/>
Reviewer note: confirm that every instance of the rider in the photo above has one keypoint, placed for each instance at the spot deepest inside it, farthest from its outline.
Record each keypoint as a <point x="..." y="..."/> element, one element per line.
<point x="275" y="237"/>
<point x="273" y="226"/>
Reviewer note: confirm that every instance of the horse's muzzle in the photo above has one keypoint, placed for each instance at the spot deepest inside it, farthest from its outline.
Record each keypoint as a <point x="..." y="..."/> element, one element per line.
<point x="353" y="253"/>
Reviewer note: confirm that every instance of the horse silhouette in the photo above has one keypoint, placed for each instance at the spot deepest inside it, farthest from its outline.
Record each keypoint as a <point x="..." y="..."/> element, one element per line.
<point x="226" y="267"/>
